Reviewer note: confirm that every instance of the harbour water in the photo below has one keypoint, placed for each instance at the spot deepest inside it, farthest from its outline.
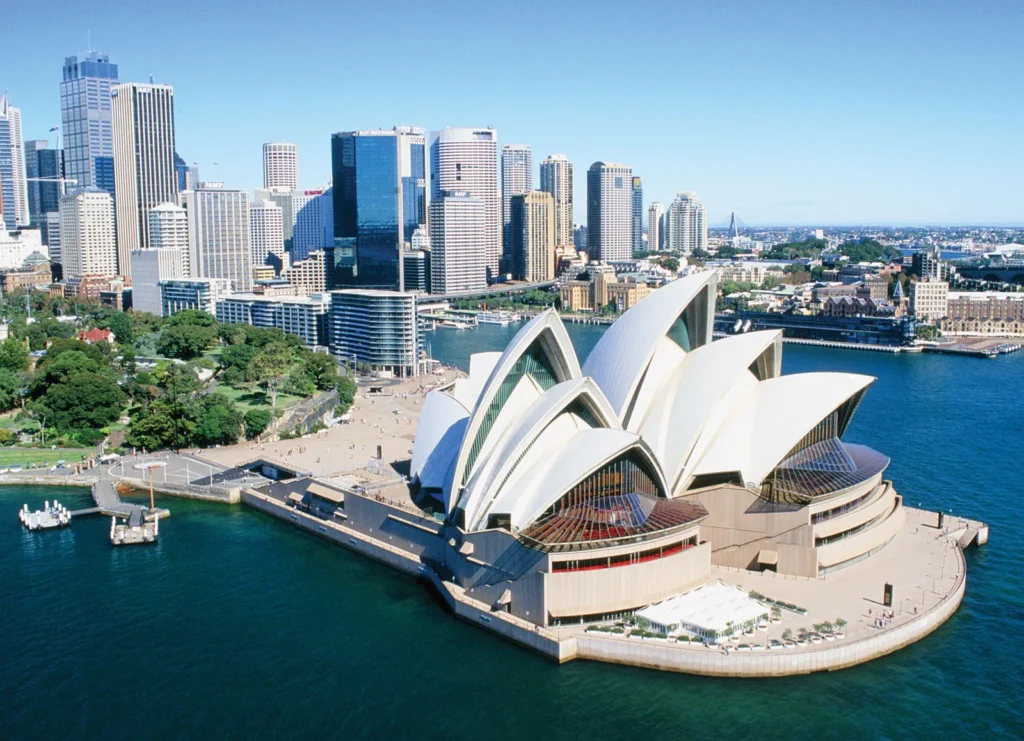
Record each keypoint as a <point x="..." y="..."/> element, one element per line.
<point x="236" y="625"/>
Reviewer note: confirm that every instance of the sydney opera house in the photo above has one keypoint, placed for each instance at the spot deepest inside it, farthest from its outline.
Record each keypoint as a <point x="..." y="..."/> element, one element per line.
<point x="574" y="494"/>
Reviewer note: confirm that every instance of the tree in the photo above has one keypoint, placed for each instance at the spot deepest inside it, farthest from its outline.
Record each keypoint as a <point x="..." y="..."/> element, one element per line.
<point x="152" y="429"/>
<point x="121" y="325"/>
<point x="185" y="342"/>
<point x="670" y="263"/>
<point x="770" y="282"/>
<point x="346" y="393"/>
<point x="13" y="355"/>
<point x="269" y="368"/>
<point x="218" y="421"/>
<point x="322" y="370"/>
<point x="10" y="389"/>
<point x="84" y="401"/>
<point x="192" y="318"/>
<point x="7" y="437"/>
<point x="256" y="421"/>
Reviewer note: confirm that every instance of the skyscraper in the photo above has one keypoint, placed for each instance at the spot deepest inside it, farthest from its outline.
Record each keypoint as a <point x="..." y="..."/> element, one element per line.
<point x="609" y="212"/>
<point x="267" y="232"/>
<point x="312" y="228"/>
<point x="532" y="231"/>
<point x="280" y="165"/>
<point x="655" y="217"/>
<point x="516" y="178"/>
<point x="686" y="227"/>
<point x="86" y="121"/>
<point x="218" y="235"/>
<point x="638" y="215"/>
<point x="43" y="195"/>
<point x="13" y="186"/>
<point x="144" y="174"/>
<point x="459" y="223"/>
<point x="168" y="230"/>
<point x="187" y="177"/>
<point x="87" y="234"/>
<point x="466" y="161"/>
<point x="556" y="179"/>
<point x="380" y="199"/>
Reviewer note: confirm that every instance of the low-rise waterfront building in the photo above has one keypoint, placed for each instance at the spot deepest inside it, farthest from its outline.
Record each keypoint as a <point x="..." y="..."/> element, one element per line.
<point x="202" y="294"/>
<point x="305" y="316"/>
<point x="984" y="313"/>
<point x="377" y="329"/>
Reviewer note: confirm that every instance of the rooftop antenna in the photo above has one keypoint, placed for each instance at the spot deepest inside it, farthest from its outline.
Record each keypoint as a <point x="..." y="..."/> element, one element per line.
<point x="88" y="39"/>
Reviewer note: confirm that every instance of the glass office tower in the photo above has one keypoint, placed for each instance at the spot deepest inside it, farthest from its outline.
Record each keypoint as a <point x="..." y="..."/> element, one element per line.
<point x="379" y="201"/>
<point x="86" y="120"/>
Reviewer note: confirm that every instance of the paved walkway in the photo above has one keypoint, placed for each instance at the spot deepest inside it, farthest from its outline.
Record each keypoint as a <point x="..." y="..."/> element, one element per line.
<point x="387" y="419"/>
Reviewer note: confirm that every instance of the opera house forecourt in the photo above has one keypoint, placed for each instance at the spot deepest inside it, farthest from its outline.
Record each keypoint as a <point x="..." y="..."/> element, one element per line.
<point x="675" y="503"/>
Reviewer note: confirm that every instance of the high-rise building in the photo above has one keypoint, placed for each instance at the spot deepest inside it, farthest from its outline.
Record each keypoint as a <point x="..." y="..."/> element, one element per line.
<point x="532" y="232"/>
<point x="379" y="329"/>
<point x="87" y="234"/>
<point x="466" y="161"/>
<point x="218" y="235"/>
<point x="655" y="217"/>
<point x="312" y="227"/>
<point x="144" y="174"/>
<point x="638" y="214"/>
<point x="516" y="178"/>
<point x="308" y="275"/>
<point x="305" y="316"/>
<point x="686" y="226"/>
<point x="168" y="230"/>
<point x="187" y="176"/>
<point x="86" y="121"/>
<point x="609" y="212"/>
<point x="380" y="200"/>
<point x="280" y="166"/>
<point x="42" y="166"/>
<point x="458" y="226"/>
<point x="556" y="179"/>
<point x="579" y="237"/>
<point x="266" y="229"/>
<point x="200" y="294"/>
<point x="13" y="186"/>
<point x="416" y="270"/>
<point x="151" y="267"/>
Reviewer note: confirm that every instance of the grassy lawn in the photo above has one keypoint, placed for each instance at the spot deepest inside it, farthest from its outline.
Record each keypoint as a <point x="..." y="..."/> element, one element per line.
<point x="24" y="456"/>
<point x="247" y="398"/>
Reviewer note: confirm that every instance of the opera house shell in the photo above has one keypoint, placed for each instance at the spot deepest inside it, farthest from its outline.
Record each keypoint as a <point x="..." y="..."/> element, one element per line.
<point x="574" y="493"/>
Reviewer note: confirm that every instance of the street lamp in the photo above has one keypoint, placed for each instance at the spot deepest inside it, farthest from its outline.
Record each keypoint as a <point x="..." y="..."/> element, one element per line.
<point x="149" y="466"/>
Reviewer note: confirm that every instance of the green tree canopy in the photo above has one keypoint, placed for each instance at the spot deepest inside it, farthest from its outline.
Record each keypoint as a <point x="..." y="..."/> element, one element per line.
<point x="192" y="318"/>
<point x="10" y="389"/>
<point x="84" y="401"/>
<point x="186" y="341"/>
<point x="13" y="355"/>
<point x="121" y="325"/>
<point x="256" y="421"/>
<point x="321" y="369"/>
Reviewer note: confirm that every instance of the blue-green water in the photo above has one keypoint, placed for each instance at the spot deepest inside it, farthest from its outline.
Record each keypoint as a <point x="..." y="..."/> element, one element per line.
<point x="236" y="625"/>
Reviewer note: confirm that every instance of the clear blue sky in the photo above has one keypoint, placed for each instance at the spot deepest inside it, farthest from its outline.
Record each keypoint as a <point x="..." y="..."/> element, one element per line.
<point x="788" y="112"/>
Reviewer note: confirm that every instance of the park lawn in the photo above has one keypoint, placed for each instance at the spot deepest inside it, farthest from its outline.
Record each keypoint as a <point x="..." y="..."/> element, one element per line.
<point x="23" y="456"/>
<point x="247" y="398"/>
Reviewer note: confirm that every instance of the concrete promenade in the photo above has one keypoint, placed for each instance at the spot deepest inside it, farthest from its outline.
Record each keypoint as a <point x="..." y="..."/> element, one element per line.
<point x="387" y="419"/>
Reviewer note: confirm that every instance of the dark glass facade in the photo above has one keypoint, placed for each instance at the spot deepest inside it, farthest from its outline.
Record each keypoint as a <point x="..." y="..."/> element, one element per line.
<point x="379" y="199"/>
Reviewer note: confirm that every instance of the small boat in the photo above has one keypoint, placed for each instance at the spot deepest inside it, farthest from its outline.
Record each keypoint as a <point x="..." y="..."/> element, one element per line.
<point x="452" y="324"/>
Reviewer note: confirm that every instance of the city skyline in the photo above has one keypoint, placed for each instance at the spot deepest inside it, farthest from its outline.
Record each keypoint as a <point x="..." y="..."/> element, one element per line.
<point x="763" y="133"/>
